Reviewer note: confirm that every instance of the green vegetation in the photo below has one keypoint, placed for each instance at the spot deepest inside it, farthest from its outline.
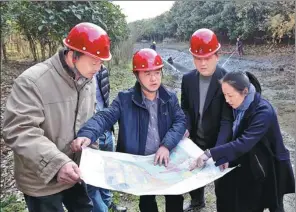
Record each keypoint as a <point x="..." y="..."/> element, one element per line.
<point x="11" y="204"/>
<point x="254" y="21"/>
<point x="44" y="24"/>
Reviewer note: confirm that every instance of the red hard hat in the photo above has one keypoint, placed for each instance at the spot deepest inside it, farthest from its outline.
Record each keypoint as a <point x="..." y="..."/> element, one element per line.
<point x="89" y="39"/>
<point x="204" y="43"/>
<point x="147" y="60"/>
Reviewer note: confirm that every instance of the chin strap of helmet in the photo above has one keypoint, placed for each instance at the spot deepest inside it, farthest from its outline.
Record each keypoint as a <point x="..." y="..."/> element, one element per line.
<point x="75" y="69"/>
<point x="143" y="86"/>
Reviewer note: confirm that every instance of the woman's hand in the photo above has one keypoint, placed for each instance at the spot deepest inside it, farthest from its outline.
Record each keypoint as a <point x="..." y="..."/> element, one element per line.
<point x="223" y="166"/>
<point x="199" y="162"/>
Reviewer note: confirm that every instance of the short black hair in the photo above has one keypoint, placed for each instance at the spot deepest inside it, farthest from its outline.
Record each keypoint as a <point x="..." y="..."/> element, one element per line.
<point x="76" y="54"/>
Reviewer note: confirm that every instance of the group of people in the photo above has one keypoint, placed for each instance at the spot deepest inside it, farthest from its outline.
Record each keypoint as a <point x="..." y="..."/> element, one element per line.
<point x="61" y="105"/>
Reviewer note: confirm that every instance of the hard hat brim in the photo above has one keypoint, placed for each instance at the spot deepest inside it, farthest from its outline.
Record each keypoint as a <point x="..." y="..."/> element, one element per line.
<point x="148" y="69"/>
<point x="205" y="55"/>
<point x="87" y="53"/>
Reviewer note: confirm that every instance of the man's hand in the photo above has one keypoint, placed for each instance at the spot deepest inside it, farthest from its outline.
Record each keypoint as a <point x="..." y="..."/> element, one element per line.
<point x="79" y="143"/>
<point x="223" y="166"/>
<point x="69" y="173"/>
<point x="186" y="134"/>
<point x="199" y="162"/>
<point x="162" y="155"/>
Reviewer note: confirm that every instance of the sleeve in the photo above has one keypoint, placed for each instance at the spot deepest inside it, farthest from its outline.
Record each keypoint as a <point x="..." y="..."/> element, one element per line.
<point x="178" y="128"/>
<point x="22" y="131"/>
<point x="257" y="128"/>
<point x="225" y="132"/>
<point x="185" y="104"/>
<point x="101" y="121"/>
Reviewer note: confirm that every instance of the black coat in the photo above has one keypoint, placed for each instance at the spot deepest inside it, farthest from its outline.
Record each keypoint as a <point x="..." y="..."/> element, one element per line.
<point x="217" y="114"/>
<point x="104" y="84"/>
<point x="265" y="173"/>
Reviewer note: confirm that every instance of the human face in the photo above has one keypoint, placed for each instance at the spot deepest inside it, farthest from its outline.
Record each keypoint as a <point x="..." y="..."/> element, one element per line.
<point x="206" y="66"/>
<point x="88" y="66"/>
<point x="232" y="96"/>
<point x="150" y="79"/>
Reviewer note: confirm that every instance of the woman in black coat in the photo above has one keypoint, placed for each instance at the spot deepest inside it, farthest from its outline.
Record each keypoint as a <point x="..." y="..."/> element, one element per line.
<point x="264" y="172"/>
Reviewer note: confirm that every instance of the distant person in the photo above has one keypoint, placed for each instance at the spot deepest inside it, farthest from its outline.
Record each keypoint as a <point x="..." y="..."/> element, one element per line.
<point x="150" y="119"/>
<point x="265" y="173"/>
<point x="239" y="47"/>
<point x="48" y="104"/>
<point x="153" y="46"/>
<point x="170" y="60"/>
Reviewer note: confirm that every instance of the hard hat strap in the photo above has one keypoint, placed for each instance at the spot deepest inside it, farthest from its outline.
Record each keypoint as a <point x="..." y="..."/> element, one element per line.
<point x="75" y="69"/>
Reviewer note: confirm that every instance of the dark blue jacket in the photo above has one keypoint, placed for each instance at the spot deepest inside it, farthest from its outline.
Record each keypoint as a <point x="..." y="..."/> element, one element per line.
<point x="259" y="121"/>
<point x="133" y="117"/>
<point x="217" y="114"/>
<point x="265" y="166"/>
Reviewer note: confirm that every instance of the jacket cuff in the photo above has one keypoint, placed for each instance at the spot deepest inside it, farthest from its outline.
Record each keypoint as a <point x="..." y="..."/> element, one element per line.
<point x="48" y="169"/>
<point x="87" y="135"/>
<point x="167" y="145"/>
<point x="217" y="158"/>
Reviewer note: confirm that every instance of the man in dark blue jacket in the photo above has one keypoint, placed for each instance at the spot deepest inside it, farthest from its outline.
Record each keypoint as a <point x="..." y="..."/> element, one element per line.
<point x="209" y="118"/>
<point x="150" y="121"/>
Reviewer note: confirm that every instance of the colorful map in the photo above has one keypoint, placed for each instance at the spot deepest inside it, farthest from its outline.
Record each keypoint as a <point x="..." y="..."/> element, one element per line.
<point x="138" y="175"/>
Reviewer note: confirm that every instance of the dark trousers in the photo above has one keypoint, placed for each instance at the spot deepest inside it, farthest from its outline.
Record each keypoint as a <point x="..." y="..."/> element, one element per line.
<point x="173" y="203"/>
<point x="75" y="199"/>
<point x="280" y="208"/>
<point x="227" y="195"/>
<point x="198" y="195"/>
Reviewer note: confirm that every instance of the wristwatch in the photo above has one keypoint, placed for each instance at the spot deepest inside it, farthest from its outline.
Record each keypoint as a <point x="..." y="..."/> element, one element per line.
<point x="208" y="153"/>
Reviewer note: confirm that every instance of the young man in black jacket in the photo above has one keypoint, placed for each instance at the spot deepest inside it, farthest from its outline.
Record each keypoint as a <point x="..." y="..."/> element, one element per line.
<point x="209" y="117"/>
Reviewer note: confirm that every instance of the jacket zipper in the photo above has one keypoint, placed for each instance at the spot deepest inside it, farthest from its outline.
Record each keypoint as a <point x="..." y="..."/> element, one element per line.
<point x="260" y="165"/>
<point x="76" y="112"/>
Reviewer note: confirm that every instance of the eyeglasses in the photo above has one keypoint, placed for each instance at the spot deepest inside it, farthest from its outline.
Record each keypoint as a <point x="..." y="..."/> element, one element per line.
<point x="156" y="74"/>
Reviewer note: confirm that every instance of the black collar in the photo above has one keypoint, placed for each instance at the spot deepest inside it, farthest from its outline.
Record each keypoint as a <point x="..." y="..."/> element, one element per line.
<point x="62" y="54"/>
<point x="164" y="95"/>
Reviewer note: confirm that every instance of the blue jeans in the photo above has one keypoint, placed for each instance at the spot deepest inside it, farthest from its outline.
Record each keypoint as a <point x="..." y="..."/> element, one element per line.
<point x="101" y="197"/>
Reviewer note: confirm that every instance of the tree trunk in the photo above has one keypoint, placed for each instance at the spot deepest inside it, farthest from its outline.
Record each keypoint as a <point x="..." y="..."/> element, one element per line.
<point x="42" y="47"/>
<point x="33" y="49"/>
<point x="43" y="52"/>
<point x="3" y="51"/>
<point x="50" y="49"/>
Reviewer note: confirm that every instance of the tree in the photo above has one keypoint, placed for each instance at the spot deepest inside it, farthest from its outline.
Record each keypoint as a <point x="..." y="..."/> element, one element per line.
<point x="46" y="23"/>
<point x="250" y="20"/>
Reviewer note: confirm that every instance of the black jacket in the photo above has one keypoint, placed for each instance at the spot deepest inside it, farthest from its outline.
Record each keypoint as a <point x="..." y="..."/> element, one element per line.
<point x="104" y="84"/>
<point x="217" y="115"/>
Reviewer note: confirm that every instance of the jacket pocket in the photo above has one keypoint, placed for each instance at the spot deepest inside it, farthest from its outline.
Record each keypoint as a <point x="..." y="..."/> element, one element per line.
<point x="258" y="165"/>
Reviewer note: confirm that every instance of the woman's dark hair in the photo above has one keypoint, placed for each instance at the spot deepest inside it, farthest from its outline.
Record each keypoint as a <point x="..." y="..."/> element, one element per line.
<point x="254" y="81"/>
<point x="240" y="80"/>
